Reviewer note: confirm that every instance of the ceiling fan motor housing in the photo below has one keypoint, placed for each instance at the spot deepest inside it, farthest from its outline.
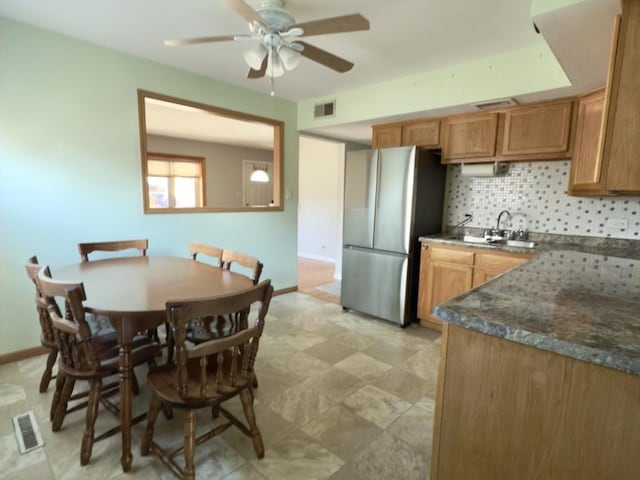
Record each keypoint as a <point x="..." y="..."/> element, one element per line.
<point x="275" y="15"/>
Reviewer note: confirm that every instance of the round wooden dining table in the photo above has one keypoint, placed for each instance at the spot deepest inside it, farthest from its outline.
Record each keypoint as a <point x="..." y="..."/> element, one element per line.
<point x="132" y="293"/>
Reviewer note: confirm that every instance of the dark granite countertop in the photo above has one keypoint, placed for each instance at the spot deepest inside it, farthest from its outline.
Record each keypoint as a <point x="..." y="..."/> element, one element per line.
<point x="582" y="305"/>
<point x="614" y="247"/>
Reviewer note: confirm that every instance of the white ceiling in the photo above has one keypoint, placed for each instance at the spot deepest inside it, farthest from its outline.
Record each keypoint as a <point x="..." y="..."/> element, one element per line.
<point x="406" y="36"/>
<point x="182" y="121"/>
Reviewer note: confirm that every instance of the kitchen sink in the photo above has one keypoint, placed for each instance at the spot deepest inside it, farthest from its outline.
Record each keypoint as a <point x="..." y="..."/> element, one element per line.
<point x="497" y="242"/>
<point x="519" y="243"/>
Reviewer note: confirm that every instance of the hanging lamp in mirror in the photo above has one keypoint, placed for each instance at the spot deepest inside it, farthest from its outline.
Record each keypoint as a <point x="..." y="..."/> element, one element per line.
<point x="259" y="174"/>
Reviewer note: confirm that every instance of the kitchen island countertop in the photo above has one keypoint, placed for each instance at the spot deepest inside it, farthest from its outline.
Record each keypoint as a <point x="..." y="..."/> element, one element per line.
<point x="581" y="305"/>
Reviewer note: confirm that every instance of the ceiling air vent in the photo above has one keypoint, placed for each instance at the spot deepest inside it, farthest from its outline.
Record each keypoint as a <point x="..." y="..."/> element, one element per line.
<point x="321" y="110"/>
<point x="503" y="102"/>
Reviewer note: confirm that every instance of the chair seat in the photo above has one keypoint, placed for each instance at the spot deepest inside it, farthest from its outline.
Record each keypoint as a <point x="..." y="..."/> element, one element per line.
<point x="99" y="325"/>
<point x="107" y="353"/>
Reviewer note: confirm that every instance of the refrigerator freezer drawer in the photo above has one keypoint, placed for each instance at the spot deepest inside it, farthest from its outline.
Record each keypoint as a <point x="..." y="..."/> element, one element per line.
<point x="375" y="283"/>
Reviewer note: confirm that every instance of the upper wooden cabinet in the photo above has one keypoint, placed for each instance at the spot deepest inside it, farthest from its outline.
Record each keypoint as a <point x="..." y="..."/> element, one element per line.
<point x="541" y="129"/>
<point x="586" y="167"/>
<point x="386" y="136"/>
<point x="423" y="133"/>
<point x="470" y="136"/>
<point x="621" y="154"/>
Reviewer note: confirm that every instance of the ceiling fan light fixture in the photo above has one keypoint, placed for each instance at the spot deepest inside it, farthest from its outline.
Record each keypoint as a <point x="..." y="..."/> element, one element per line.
<point x="274" y="66"/>
<point x="289" y="57"/>
<point x="255" y="56"/>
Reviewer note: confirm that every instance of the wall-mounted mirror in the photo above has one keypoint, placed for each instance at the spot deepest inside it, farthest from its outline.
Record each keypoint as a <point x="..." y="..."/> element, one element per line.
<point x="201" y="158"/>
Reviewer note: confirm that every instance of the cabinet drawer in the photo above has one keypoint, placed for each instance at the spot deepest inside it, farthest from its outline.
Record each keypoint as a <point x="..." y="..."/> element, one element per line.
<point x="451" y="255"/>
<point x="495" y="261"/>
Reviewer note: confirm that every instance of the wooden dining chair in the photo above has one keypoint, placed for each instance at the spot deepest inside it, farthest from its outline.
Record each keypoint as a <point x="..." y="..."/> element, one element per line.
<point x="86" y="248"/>
<point x="83" y="356"/>
<point x="247" y="263"/>
<point x="47" y="338"/>
<point x="209" y="374"/>
<point x="208" y="250"/>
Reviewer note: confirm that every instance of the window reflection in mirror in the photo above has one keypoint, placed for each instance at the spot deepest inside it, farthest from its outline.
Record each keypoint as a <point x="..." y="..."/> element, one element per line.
<point x="201" y="158"/>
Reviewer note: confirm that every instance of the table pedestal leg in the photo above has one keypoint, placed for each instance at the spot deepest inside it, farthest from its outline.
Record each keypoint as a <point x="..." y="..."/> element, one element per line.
<point x="125" y="405"/>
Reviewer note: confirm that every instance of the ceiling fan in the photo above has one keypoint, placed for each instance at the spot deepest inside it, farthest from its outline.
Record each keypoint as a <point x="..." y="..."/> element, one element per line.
<point x="277" y="33"/>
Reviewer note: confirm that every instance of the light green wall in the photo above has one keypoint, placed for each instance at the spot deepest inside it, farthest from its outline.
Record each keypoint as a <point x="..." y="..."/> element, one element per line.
<point x="520" y="72"/>
<point x="70" y="165"/>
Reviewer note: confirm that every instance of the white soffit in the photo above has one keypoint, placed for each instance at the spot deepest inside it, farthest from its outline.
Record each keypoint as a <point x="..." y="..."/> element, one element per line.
<point x="580" y="37"/>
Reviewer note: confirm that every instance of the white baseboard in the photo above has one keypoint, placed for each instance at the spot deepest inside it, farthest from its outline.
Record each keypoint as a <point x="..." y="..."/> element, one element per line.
<point x="316" y="257"/>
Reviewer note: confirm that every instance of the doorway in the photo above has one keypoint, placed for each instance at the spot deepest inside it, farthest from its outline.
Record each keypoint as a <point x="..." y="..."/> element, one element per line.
<point x="320" y="183"/>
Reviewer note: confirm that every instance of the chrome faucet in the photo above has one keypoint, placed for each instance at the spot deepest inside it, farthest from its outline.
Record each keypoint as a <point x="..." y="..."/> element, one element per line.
<point x="500" y="217"/>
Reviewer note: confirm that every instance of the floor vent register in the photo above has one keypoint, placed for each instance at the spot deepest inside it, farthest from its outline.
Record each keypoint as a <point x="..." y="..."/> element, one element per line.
<point x="27" y="432"/>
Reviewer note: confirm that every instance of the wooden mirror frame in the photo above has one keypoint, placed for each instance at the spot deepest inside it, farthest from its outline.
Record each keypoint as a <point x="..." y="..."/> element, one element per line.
<point x="278" y="144"/>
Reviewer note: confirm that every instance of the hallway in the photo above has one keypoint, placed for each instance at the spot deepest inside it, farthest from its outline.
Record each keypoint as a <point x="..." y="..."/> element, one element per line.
<point x="315" y="278"/>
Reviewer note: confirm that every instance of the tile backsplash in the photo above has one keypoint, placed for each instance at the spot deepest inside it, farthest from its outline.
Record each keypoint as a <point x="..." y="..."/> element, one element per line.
<point x="535" y="193"/>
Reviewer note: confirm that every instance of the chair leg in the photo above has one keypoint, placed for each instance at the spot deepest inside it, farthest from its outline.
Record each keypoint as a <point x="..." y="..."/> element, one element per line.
<point x="247" y="405"/>
<point x="189" y="472"/>
<point x="135" y="386"/>
<point x="92" y="414"/>
<point x="170" y="343"/>
<point x="61" y="407"/>
<point x="154" y="409"/>
<point x="46" y="375"/>
<point x="60" y="379"/>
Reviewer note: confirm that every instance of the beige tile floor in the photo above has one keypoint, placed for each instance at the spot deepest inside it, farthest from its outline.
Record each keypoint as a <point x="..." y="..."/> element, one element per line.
<point x="341" y="396"/>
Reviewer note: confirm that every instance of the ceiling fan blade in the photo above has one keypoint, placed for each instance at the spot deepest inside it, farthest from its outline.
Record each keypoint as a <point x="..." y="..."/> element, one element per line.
<point x="325" y="58"/>
<point x="345" y="23"/>
<point x="259" y="73"/>
<point x="191" y="41"/>
<point x="245" y="11"/>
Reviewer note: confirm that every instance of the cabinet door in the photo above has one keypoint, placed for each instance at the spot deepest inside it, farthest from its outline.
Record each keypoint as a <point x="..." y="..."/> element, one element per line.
<point x="448" y="273"/>
<point x="489" y="265"/>
<point x="425" y="133"/>
<point x="539" y="129"/>
<point x="386" y="136"/>
<point x="470" y="136"/>
<point x="586" y="166"/>
<point x="622" y="142"/>
<point x="423" y="306"/>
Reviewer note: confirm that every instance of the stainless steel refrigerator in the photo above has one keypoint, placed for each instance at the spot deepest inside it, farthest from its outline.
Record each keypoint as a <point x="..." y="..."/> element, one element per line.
<point x="392" y="196"/>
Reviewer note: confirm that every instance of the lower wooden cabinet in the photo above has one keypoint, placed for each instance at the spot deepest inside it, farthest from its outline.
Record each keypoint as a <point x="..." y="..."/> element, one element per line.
<point x="510" y="411"/>
<point x="489" y="265"/>
<point x="448" y="271"/>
